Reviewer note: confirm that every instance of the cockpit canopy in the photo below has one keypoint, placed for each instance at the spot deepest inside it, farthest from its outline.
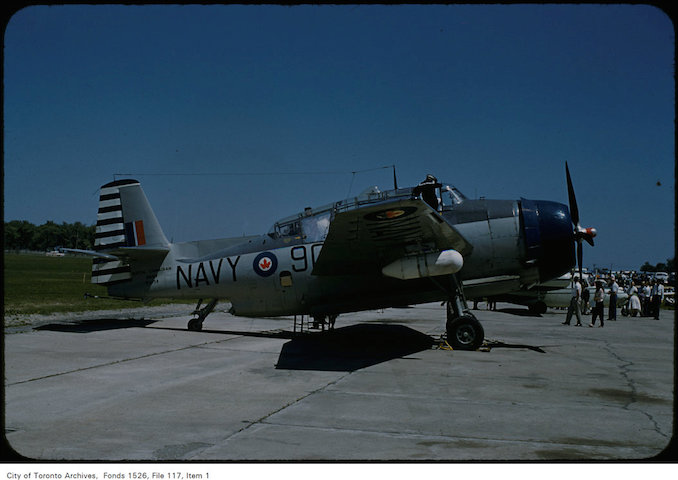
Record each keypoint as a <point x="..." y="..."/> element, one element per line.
<point x="313" y="223"/>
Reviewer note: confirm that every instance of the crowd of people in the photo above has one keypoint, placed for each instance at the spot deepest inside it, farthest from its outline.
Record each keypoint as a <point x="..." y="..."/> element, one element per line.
<point x="646" y="298"/>
<point x="643" y="300"/>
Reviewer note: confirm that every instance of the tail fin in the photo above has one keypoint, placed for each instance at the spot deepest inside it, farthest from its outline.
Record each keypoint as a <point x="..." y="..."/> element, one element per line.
<point x="125" y="218"/>
<point x="125" y="223"/>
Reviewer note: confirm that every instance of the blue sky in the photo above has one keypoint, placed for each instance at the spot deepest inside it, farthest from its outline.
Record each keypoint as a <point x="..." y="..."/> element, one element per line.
<point x="235" y="116"/>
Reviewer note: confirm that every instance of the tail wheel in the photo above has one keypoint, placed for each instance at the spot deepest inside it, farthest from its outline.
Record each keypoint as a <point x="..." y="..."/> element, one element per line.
<point x="195" y="325"/>
<point x="465" y="333"/>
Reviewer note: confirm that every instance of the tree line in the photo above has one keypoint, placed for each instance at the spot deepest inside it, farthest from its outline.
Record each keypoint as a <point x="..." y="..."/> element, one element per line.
<point x="669" y="266"/>
<point x="23" y="235"/>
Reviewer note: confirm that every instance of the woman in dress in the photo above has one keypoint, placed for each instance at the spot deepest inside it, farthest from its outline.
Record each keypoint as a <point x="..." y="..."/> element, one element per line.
<point x="634" y="301"/>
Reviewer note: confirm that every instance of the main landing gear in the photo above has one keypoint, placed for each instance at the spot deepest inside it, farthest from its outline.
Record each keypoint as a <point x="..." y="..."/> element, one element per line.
<point x="537" y="308"/>
<point x="195" y="324"/>
<point x="464" y="331"/>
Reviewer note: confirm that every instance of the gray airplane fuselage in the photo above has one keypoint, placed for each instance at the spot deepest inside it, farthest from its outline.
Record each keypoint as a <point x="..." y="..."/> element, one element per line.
<point x="515" y="244"/>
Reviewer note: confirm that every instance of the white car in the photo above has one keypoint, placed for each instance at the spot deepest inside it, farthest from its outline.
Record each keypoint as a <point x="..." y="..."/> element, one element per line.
<point x="663" y="276"/>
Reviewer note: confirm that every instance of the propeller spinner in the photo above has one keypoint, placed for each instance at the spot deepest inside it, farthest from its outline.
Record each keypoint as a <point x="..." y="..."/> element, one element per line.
<point x="579" y="232"/>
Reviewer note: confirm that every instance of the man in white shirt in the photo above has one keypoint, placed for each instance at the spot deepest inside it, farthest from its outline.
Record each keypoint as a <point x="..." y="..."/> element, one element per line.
<point x="647" y="290"/>
<point x="614" y="288"/>
<point x="657" y="297"/>
<point x="574" y="304"/>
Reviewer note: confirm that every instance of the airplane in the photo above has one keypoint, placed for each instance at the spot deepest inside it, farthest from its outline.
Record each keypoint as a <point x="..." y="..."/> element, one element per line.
<point x="377" y="250"/>
<point x="539" y="298"/>
<point x="556" y="293"/>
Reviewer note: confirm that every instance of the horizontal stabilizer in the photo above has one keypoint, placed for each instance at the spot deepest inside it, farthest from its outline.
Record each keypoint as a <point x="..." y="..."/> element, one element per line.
<point x="108" y="272"/>
<point x="91" y="253"/>
<point x="137" y="253"/>
<point x="117" y="267"/>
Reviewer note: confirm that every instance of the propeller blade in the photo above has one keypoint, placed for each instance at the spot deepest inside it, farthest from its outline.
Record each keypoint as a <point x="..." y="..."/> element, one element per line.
<point x="574" y="211"/>
<point x="579" y="232"/>
<point x="588" y="239"/>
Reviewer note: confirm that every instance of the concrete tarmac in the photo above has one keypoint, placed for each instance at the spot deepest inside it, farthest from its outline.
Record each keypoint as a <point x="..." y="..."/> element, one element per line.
<point x="376" y="388"/>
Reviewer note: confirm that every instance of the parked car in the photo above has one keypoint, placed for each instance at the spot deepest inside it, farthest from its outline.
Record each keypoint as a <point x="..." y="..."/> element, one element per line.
<point x="663" y="276"/>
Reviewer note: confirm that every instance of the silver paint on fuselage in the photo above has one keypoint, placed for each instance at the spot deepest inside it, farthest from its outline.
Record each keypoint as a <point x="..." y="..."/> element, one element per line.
<point x="228" y="269"/>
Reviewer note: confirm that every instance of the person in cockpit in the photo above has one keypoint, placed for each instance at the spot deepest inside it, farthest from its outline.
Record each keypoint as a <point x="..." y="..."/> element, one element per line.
<point x="427" y="190"/>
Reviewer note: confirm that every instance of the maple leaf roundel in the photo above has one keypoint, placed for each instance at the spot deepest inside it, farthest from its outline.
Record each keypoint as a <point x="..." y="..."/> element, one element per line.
<point x="265" y="264"/>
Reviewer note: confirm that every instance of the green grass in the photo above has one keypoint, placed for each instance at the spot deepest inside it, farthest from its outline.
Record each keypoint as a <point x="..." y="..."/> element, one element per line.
<point x="43" y="285"/>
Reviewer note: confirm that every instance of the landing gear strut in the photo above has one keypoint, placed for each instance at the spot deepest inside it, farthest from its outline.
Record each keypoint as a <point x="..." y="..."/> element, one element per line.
<point x="195" y="324"/>
<point x="464" y="331"/>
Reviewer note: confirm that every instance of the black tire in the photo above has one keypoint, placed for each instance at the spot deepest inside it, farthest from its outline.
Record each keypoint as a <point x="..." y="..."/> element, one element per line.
<point x="195" y="325"/>
<point x="537" y="308"/>
<point x="465" y="333"/>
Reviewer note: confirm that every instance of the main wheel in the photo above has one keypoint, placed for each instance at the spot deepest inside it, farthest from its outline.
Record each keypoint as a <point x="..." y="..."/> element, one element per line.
<point x="537" y="308"/>
<point x="465" y="333"/>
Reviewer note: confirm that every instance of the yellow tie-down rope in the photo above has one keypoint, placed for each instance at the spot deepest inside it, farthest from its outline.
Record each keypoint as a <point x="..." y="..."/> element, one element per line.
<point x="485" y="347"/>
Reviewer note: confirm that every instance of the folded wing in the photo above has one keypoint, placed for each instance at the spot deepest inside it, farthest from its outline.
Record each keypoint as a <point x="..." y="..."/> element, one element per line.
<point x="366" y="239"/>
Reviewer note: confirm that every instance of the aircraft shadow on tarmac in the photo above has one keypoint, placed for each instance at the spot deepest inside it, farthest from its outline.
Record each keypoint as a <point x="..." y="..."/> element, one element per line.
<point x="345" y="349"/>
<point x="95" y="325"/>
<point x="351" y="348"/>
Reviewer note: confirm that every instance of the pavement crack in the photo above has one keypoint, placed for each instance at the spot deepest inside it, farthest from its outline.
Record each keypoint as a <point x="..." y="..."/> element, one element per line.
<point x="115" y="362"/>
<point x="624" y="370"/>
<point x="262" y="420"/>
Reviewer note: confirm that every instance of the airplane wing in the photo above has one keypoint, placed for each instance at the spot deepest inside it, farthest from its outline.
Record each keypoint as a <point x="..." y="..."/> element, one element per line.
<point x="364" y="240"/>
<point x="489" y="286"/>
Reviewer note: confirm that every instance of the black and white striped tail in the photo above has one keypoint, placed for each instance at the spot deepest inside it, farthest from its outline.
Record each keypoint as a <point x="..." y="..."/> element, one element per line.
<point x="124" y="219"/>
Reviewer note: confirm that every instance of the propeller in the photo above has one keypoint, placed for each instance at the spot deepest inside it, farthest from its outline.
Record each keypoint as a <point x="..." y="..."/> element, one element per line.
<point x="579" y="232"/>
